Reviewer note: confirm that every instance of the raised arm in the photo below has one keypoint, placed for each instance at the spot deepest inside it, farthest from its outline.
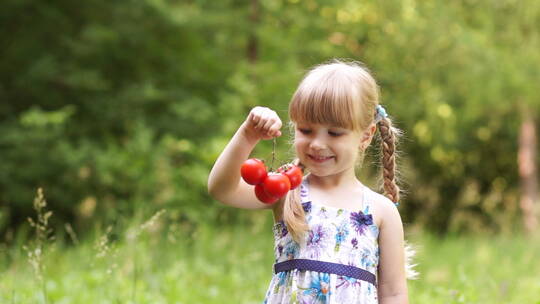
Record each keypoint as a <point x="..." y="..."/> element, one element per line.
<point x="224" y="181"/>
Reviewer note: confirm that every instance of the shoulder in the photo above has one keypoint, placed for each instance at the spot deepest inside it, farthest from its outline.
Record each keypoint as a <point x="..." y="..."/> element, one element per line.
<point x="384" y="209"/>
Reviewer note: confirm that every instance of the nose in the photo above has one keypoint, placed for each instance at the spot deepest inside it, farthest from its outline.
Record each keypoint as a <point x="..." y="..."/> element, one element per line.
<point x="318" y="143"/>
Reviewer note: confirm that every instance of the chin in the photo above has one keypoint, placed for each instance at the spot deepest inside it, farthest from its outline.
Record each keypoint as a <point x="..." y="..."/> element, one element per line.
<point x="318" y="172"/>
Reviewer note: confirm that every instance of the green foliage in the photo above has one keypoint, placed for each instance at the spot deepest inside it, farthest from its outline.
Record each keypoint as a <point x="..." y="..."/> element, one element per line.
<point x="100" y="101"/>
<point x="113" y="107"/>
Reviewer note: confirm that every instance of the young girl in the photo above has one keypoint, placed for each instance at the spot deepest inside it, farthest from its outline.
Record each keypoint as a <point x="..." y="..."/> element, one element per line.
<point x="336" y="241"/>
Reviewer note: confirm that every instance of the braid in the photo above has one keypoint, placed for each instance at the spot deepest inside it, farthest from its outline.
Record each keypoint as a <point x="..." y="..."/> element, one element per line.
<point x="293" y="211"/>
<point x="388" y="139"/>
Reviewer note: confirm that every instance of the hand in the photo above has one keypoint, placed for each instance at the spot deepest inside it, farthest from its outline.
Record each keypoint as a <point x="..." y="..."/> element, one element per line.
<point x="262" y="123"/>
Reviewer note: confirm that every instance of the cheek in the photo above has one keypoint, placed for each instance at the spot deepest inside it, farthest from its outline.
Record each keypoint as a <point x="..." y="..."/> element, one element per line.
<point x="299" y="144"/>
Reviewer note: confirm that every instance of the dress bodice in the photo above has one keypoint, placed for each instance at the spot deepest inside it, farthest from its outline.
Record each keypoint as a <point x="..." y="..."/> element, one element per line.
<point x="335" y="234"/>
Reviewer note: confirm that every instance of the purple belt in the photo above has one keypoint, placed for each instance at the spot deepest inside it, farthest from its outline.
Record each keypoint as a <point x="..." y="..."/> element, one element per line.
<point x="327" y="267"/>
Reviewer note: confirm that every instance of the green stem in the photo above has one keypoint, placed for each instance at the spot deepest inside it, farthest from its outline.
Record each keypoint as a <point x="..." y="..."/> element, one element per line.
<point x="134" y="271"/>
<point x="44" y="290"/>
<point x="273" y="154"/>
<point x="42" y="273"/>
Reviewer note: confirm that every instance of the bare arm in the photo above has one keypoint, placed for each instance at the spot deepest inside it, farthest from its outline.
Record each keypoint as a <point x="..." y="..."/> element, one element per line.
<point x="224" y="181"/>
<point x="392" y="287"/>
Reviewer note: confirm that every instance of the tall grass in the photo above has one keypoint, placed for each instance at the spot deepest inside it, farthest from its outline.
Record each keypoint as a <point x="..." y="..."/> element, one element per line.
<point x="37" y="250"/>
<point x="210" y="264"/>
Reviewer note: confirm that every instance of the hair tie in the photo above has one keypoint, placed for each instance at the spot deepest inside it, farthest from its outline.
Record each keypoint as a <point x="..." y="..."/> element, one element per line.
<point x="380" y="113"/>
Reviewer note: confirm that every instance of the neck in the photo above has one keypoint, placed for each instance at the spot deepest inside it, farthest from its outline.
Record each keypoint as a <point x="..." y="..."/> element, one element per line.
<point x="329" y="182"/>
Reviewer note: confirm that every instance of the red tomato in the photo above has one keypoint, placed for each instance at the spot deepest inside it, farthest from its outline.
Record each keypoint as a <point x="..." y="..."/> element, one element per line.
<point x="253" y="171"/>
<point x="294" y="173"/>
<point x="263" y="196"/>
<point x="277" y="185"/>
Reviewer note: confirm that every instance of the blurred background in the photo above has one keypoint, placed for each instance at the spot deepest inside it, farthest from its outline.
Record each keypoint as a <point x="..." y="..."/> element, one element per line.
<point x="118" y="110"/>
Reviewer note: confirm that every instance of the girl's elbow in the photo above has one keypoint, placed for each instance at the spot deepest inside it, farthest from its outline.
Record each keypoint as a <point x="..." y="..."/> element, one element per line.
<point x="213" y="189"/>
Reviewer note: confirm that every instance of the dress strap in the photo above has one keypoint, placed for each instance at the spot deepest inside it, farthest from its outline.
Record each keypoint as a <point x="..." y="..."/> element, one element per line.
<point x="366" y="199"/>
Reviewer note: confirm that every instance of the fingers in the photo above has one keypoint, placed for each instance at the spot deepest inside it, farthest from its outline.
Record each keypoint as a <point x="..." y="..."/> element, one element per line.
<point x="265" y="121"/>
<point x="273" y="128"/>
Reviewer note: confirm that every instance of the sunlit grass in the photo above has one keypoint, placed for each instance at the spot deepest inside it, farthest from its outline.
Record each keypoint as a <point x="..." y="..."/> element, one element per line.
<point x="477" y="269"/>
<point x="234" y="265"/>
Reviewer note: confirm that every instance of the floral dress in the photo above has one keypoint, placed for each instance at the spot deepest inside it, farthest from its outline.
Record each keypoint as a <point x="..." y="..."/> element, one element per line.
<point x="335" y="262"/>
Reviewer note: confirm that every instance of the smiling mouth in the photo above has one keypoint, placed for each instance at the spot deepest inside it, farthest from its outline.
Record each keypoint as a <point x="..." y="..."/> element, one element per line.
<point x="320" y="159"/>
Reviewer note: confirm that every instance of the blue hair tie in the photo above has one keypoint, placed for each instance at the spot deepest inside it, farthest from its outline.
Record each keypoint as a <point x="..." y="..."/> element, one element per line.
<point x="380" y="113"/>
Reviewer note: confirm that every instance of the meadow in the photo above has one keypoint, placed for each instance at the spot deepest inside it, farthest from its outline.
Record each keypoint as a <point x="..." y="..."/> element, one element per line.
<point x="158" y="262"/>
<point x="118" y="109"/>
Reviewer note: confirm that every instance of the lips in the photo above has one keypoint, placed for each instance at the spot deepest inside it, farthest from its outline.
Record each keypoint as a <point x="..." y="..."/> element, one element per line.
<point x="319" y="158"/>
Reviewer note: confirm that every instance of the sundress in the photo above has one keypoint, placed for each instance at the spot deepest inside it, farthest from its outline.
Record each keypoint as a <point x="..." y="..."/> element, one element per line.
<point x="335" y="262"/>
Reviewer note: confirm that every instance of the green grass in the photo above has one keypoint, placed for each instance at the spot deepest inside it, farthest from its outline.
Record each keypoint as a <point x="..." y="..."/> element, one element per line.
<point x="234" y="265"/>
<point x="477" y="270"/>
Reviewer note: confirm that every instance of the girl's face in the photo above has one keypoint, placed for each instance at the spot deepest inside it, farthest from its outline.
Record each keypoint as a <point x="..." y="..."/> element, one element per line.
<point x="327" y="150"/>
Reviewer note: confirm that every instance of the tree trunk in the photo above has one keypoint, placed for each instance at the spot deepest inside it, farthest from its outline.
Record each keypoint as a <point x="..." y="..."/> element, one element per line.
<point x="528" y="172"/>
<point x="252" y="46"/>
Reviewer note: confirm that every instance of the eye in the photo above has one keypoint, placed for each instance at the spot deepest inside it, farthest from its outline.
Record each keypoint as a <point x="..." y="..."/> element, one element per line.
<point x="304" y="131"/>
<point x="334" y="134"/>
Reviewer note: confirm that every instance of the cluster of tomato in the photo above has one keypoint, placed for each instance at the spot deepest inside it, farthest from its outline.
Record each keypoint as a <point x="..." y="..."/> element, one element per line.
<point x="270" y="187"/>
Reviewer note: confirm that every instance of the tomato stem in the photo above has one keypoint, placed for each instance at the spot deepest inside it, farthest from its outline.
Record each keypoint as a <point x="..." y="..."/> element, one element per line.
<point x="273" y="154"/>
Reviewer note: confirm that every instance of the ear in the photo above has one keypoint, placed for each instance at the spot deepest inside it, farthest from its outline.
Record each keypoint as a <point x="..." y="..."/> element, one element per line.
<point x="367" y="136"/>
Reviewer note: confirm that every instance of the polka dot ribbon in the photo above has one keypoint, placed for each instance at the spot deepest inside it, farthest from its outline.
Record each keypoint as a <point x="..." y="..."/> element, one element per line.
<point x="326" y="267"/>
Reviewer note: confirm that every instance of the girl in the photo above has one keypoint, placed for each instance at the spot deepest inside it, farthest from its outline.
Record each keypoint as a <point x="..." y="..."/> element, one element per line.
<point x="336" y="241"/>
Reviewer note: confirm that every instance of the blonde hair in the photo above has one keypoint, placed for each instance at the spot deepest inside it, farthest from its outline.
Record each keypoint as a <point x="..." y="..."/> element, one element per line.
<point x="342" y="94"/>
